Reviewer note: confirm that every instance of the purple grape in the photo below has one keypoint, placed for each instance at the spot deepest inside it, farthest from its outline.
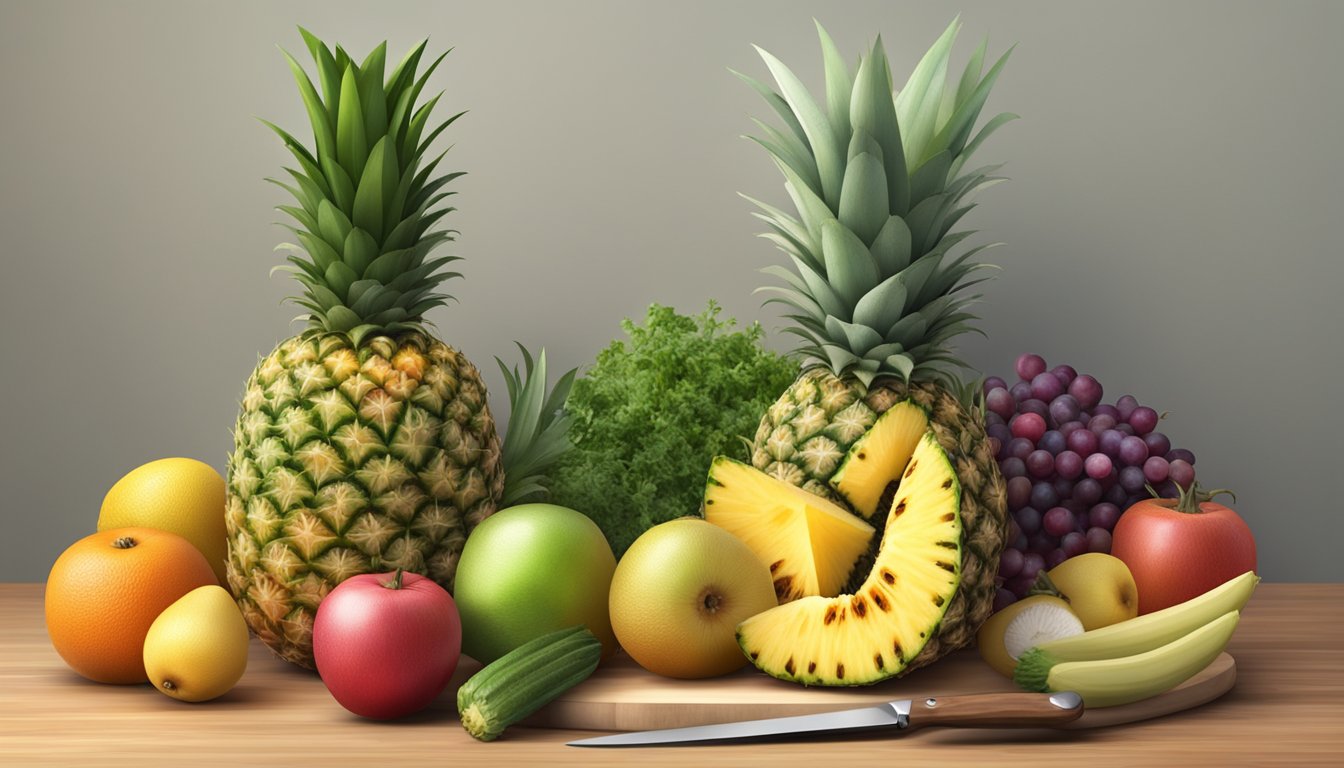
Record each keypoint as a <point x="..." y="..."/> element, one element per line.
<point x="1069" y="465"/>
<point x="1020" y="447"/>
<point x="992" y="418"/>
<point x="1157" y="443"/>
<point x="1180" y="453"/>
<point x="1082" y="442"/>
<point x="1098" y="540"/>
<point x="1086" y="390"/>
<point x="1012" y="467"/>
<point x="1064" y="409"/>
<point x="1057" y="521"/>
<point x="1028" y="519"/>
<point x="1040" y="464"/>
<point x="1019" y="491"/>
<point x="1132" y="479"/>
<point x="1116" y="495"/>
<point x="1100" y="423"/>
<point x="1124" y="429"/>
<point x="1103" y="515"/>
<point x="1029" y="366"/>
<point x="1167" y="489"/>
<point x="1155" y="469"/>
<point x="1028" y="425"/>
<point x="1052" y="441"/>
<point x="1054" y="557"/>
<point x="1108" y="442"/>
<point x="1065" y="373"/>
<point x="1046" y="386"/>
<point x="1041" y="542"/>
<point x="1000" y="432"/>
<point x="1133" y="451"/>
<point x="1019" y="542"/>
<point x="1010" y="563"/>
<point x="1073" y="543"/>
<point x="1126" y="405"/>
<point x="1032" y="405"/>
<point x="1003" y="598"/>
<point x="1069" y="427"/>
<point x="1087" y="490"/>
<point x="1179" y="471"/>
<point x="1020" y="391"/>
<point x="1019" y="586"/>
<point x="998" y="401"/>
<point x="1063" y="488"/>
<point x="1097" y="466"/>
<point x="994" y="382"/>
<point x="1143" y="419"/>
<point x="1043" y="495"/>
<point x="1032" y="563"/>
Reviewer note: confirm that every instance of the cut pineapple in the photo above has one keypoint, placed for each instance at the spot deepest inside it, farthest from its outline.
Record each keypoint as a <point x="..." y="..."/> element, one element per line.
<point x="809" y="543"/>
<point x="876" y="632"/>
<point x="879" y="457"/>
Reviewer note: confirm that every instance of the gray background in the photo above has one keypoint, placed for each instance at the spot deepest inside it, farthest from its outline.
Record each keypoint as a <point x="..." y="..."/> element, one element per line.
<point x="1170" y="226"/>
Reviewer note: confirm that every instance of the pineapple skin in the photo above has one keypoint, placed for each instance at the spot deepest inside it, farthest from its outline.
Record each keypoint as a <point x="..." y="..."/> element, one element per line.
<point x="349" y="460"/>
<point x="804" y="436"/>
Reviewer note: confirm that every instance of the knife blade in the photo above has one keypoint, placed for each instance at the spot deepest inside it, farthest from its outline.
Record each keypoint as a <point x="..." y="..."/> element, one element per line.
<point x="986" y="710"/>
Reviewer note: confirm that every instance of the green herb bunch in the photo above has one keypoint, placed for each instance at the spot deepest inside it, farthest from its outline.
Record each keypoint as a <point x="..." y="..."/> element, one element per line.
<point x="652" y="413"/>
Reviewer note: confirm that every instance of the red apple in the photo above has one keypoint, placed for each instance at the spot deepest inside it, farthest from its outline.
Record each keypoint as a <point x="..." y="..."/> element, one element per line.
<point x="386" y="644"/>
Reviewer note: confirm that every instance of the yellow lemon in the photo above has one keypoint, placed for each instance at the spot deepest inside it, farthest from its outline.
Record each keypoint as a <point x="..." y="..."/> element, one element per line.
<point x="181" y="496"/>
<point x="196" y="649"/>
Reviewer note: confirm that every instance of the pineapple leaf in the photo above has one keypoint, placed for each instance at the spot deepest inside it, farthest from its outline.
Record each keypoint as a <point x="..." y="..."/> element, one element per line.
<point x="929" y="178"/>
<point x="418" y="121"/>
<point x="850" y="267"/>
<point x="789" y="154"/>
<point x="359" y="251"/>
<point x="321" y="251"/>
<point x="953" y="136"/>
<point x="352" y="146"/>
<point x="970" y="76"/>
<point x="820" y="290"/>
<point x="813" y="210"/>
<point x="863" y="197"/>
<point x="891" y="247"/>
<point x="839" y="84"/>
<point x="291" y="143"/>
<point x="781" y="108"/>
<point x="379" y="172"/>
<point x="328" y="73"/>
<point x="538" y="431"/>
<point x="872" y="110"/>
<point x="908" y="331"/>
<point x="881" y="307"/>
<point x="340" y="319"/>
<point x="317" y="112"/>
<point x="387" y="266"/>
<point x="825" y="145"/>
<point x="299" y="215"/>
<point x="371" y="97"/>
<point x="340" y="277"/>
<point x="917" y="103"/>
<point x="985" y="131"/>
<point x="858" y="338"/>
<point x="342" y="189"/>
<point x="332" y="224"/>
<point x="404" y="74"/>
<point x="434" y="134"/>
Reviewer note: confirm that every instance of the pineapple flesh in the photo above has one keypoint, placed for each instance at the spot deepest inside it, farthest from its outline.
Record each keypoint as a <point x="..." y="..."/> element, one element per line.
<point x="364" y="444"/>
<point x="876" y="289"/>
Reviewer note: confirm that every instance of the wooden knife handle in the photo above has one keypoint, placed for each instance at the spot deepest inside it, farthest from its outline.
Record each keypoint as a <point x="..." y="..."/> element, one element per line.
<point x="997" y="710"/>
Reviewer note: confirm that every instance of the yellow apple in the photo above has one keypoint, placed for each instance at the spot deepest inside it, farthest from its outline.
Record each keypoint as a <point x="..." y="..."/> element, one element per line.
<point x="679" y="593"/>
<point x="1099" y="587"/>
<point x="196" y="649"/>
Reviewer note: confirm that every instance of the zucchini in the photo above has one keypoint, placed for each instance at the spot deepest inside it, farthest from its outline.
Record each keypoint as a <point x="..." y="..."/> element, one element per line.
<point x="525" y="679"/>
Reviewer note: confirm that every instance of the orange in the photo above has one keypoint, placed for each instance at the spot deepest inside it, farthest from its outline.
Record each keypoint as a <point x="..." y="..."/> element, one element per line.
<point x="105" y="591"/>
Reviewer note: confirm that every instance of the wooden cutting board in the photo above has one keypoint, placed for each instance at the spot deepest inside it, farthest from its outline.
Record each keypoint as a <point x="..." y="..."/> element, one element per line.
<point x="621" y="696"/>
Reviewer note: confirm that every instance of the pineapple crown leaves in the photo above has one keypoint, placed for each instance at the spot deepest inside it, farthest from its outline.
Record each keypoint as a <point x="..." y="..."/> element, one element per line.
<point x="367" y="199"/>
<point x="878" y="180"/>
<point x="538" y="433"/>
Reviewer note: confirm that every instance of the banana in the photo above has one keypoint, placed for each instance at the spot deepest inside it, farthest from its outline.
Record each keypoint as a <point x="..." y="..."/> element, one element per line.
<point x="1110" y="682"/>
<point x="1153" y="630"/>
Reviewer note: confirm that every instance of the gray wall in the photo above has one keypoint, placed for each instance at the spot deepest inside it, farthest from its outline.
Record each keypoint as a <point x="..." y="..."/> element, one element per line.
<point x="1173" y="179"/>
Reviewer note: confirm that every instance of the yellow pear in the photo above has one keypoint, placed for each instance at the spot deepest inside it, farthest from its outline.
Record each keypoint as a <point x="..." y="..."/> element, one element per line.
<point x="196" y="649"/>
<point x="182" y="496"/>
<point x="1099" y="587"/>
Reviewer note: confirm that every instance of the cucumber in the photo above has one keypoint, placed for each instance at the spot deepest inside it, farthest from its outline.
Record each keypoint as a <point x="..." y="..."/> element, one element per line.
<point x="525" y="679"/>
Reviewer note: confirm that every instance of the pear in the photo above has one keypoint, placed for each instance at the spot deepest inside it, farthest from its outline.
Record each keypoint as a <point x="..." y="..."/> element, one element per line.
<point x="196" y="650"/>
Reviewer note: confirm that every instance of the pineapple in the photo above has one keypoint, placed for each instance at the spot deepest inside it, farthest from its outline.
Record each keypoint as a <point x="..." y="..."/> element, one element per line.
<point x="878" y="290"/>
<point x="363" y="444"/>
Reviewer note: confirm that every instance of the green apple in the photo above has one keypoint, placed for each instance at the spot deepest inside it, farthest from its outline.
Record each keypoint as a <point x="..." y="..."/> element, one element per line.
<point x="679" y="593"/>
<point x="1099" y="587"/>
<point x="528" y="570"/>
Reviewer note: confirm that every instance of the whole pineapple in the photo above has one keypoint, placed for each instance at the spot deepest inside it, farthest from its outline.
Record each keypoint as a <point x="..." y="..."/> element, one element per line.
<point x="876" y="291"/>
<point x="364" y="443"/>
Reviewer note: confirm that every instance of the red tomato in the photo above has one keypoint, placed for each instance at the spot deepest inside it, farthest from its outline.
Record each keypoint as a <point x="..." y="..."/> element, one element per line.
<point x="386" y="644"/>
<point x="1178" y="549"/>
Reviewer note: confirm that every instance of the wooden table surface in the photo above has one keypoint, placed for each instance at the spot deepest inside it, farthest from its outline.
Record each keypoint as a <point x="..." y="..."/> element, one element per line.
<point x="1287" y="708"/>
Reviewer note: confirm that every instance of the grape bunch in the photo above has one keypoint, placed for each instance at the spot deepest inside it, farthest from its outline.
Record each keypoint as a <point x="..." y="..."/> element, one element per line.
<point x="1072" y="465"/>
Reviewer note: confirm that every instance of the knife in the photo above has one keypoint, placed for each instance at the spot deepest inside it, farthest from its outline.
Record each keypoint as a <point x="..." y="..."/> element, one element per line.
<point x="985" y="710"/>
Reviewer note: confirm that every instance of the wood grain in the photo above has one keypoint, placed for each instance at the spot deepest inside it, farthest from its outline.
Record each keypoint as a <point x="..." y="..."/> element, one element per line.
<point x="1286" y="709"/>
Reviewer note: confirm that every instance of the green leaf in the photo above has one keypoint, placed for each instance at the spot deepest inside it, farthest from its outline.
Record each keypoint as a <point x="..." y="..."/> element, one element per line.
<point x="850" y="267"/>
<point x="839" y="84"/>
<point x="340" y="318"/>
<point x="891" y="247"/>
<point x="352" y="146"/>
<point x="386" y="267"/>
<point x="812" y="209"/>
<point x="917" y="104"/>
<point x="881" y="307"/>
<point x="901" y="364"/>
<point x="300" y="216"/>
<point x="969" y="77"/>
<point x="342" y="189"/>
<point x="791" y="154"/>
<point x="376" y="186"/>
<point x="321" y="251"/>
<point x="780" y="107"/>
<point x="873" y="111"/>
<point x="372" y="100"/>
<point x="312" y="193"/>
<point x="327" y="71"/>
<point x="332" y="224"/>
<point x="359" y="251"/>
<point x="317" y="111"/>
<point x="929" y="178"/>
<point x="953" y="136"/>
<point x="359" y="289"/>
<point x="293" y="144"/>
<point x="826" y="146"/>
<point x="434" y="134"/>
<point x="986" y="131"/>
<point x="821" y="291"/>
<point x="324" y="296"/>
<point x="339" y="278"/>
<point x="863" y="198"/>
<point x="858" y="338"/>
<point x="417" y="125"/>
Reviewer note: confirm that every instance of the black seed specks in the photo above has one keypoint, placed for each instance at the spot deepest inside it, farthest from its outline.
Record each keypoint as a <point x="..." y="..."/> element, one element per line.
<point x="946" y="566"/>
<point x="879" y="601"/>
<point x="910" y="470"/>
<point x="888" y="576"/>
<point x="832" y="613"/>
<point x="788" y="667"/>
<point x="947" y="483"/>
<point x="840" y="671"/>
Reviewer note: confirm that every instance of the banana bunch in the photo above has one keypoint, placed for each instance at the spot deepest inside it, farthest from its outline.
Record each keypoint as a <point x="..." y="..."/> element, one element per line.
<point x="1143" y="656"/>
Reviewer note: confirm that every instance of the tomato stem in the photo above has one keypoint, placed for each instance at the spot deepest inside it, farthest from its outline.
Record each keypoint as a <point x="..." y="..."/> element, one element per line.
<point x="395" y="583"/>
<point x="1192" y="496"/>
